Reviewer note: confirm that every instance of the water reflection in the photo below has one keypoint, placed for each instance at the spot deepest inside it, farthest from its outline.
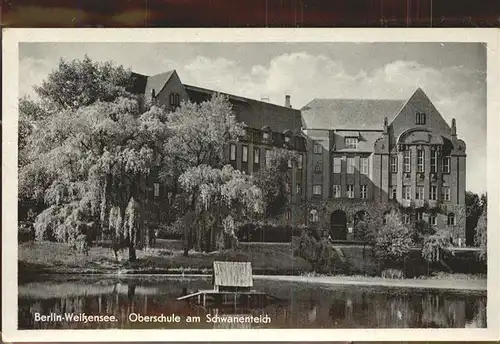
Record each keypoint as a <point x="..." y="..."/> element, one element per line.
<point x="306" y="306"/>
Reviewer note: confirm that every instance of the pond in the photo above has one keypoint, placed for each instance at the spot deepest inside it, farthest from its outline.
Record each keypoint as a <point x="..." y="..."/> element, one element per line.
<point x="302" y="305"/>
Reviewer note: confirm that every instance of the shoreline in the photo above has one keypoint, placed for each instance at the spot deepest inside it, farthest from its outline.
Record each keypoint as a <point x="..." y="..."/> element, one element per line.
<point x="443" y="284"/>
<point x="478" y="285"/>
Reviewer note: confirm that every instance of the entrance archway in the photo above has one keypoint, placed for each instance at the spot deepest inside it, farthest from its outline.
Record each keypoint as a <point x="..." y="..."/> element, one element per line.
<point x="338" y="225"/>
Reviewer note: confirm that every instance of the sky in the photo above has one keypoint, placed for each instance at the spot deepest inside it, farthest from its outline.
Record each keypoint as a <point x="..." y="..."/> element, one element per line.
<point x="453" y="75"/>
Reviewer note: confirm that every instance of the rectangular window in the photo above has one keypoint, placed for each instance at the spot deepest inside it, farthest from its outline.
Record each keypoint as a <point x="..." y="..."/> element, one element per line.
<point x="337" y="191"/>
<point x="316" y="147"/>
<point x="446" y="193"/>
<point x="351" y="163"/>
<point x="394" y="164"/>
<point x="350" y="191"/>
<point x="318" y="168"/>
<point x="420" y="216"/>
<point x="156" y="189"/>
<point x="265" y="136"/>
<point x="432" y="219"/>
<point x="364" y="192"/>
<point x="298" y="189"/>
<point x="406" y="218"/>
<point x="233" y="152"/>
<point x="256" y="155"/>
<point x="394" y="192"/>
<point x="317" y="190"/>
<point x="337" y="165"/>
<point x="351" y="142"/>
<point x="447" y="164"/>
<point x="268" y="157"/>
<point x="407" y="161"/>
<point x="406" y="192"/>
<point x="299" y="161"/>
<point x="420" y="192"/>
<point x="433" y="193"/>
<point x="244" y="151"/>
<point x="420" y="160"/>
<point x="364" y="166"/>
<point x="289" y="163"/>
<point x="434" y="157"/>
<point x="288" y="188"/>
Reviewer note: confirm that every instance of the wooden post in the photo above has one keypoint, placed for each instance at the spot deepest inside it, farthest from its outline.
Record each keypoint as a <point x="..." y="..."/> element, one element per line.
<point x="199" y="298"/>
<point x="204" y="299"/>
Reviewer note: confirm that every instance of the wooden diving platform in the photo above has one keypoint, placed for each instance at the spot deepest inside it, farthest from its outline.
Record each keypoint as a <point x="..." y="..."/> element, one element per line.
<point x="233" y="282"/>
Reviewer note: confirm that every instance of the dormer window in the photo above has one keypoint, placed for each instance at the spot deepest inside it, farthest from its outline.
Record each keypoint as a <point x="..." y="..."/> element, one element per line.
<point x="287" y="139"/>
<point x="265" y="136"/>
<point x="351" y="142"/>
<point x="420" y="118"/>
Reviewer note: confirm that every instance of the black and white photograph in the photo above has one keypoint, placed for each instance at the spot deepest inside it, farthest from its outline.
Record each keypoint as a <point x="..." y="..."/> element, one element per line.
<point x="240" y="184"/>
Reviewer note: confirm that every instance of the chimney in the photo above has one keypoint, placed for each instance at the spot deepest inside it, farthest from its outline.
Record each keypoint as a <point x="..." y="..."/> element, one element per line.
<point x="453" y="127"/>
<point x="287" y="101"/>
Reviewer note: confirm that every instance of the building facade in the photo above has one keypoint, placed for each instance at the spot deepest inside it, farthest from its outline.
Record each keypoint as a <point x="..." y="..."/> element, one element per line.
<point x="349" y="151"/>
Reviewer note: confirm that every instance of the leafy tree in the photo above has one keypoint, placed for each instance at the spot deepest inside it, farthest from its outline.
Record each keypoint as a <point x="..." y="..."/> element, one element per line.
<point x="434" y="243"/>
<point x="274" y="181"/>
<point x="474" y="209"/>
<point x="224" y="199"/>
<point x="89" y="156"/>
<point x="480" y="238"/>
<point x="394" y="241"/>
<point x="79" y="83"/>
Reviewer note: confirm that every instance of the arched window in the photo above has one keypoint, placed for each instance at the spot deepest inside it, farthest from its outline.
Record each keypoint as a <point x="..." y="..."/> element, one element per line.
<point x="451" y="219"/>
<point x="314" y="216"/>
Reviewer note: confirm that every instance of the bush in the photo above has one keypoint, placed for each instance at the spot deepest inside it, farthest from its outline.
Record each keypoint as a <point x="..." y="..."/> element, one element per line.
<point x="394" y="241"/>
<point x="319" y="253"/>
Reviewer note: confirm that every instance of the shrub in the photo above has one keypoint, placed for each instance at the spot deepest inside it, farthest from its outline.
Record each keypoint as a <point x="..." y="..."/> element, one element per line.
<point x="319" y="253"/>
<point x="394" y="240"/>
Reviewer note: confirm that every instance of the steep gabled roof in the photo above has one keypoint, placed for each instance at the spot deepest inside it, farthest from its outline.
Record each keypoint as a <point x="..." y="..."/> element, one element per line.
<point x="143" y="84"/>
<point x="233" y="274"/>
<point x="157" y="82"/>
<point x="367" y="114"/>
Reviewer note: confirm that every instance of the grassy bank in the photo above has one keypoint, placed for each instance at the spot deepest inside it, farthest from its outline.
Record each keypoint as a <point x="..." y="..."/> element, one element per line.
<point x="166" y="257"/>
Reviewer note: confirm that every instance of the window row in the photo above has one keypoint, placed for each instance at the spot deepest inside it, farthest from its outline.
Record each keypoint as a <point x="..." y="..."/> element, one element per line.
<point x="337" y="191"/>
<point x="445" y="166"/>
<point x="349" y="143"/>
<point x="406" y="218"/>
<point x="256" y="156"/>
<point x="364" y="165"/>
<point x="419" y="193"/>
<point x="431" y="218"/>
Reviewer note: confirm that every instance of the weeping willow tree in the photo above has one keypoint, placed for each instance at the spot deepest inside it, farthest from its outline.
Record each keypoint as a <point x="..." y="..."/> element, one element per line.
<point x="88" y="158"/>
<point x="224" y="199"/>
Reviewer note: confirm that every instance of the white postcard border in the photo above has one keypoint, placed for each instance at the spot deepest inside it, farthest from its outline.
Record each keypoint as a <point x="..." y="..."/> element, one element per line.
<point x="11" y="38"/>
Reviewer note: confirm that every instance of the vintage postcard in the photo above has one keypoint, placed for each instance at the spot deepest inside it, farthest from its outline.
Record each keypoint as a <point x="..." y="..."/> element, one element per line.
<point x="306" y="183"/>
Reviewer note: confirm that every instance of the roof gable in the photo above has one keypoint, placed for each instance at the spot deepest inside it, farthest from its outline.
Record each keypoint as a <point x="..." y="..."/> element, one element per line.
<point x="157" y="82"/>
<point x="419" y="103"/>
<point x="349" y="114"/>
<point x="233" y="274"/>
